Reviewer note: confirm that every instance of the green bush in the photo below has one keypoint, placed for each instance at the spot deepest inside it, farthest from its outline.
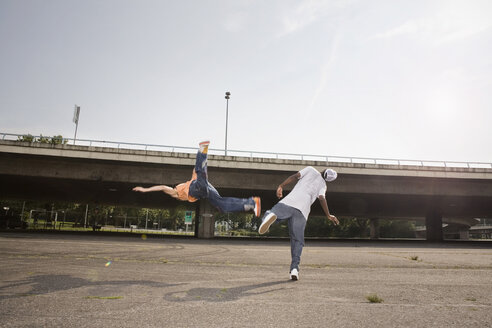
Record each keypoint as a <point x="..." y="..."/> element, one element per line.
<point x="58" y="140"/>
<point x="26" y="138"/>
<point x="44" y="140"/>
<point x="55" y="140"/>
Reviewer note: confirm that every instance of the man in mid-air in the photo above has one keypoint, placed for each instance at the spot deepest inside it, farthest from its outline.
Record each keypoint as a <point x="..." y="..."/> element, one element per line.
<point x="199" y="187"/>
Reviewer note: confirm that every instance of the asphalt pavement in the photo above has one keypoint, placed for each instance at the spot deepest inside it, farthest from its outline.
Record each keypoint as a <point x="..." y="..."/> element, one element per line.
<point x="113" y="281"/>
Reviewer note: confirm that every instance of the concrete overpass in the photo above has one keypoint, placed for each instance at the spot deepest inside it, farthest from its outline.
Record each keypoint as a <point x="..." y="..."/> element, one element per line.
<point x="106" y="175"/>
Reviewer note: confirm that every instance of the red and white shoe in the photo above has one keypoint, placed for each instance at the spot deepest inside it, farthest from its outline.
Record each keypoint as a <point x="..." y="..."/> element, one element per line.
<point x="257" y="208"/>
<point x="204" y="146"/>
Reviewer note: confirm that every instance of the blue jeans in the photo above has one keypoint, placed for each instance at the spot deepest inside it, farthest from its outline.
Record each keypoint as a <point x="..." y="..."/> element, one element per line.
<point x="297" y="224"/>
<point x="201" y="188"/>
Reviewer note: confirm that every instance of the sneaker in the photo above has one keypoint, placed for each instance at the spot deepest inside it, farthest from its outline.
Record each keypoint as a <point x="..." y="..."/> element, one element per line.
<point x="294" y="274"/>
<point x="257" y="208"/>
<point x="204" y="146"/>
<point x="267" y="222"/>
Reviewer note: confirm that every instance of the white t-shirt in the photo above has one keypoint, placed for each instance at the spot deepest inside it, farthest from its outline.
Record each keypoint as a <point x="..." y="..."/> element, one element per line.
<point x="310" y="186"/>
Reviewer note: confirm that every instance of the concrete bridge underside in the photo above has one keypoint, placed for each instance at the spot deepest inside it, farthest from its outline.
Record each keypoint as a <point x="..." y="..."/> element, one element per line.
<point x="79" y="174"/>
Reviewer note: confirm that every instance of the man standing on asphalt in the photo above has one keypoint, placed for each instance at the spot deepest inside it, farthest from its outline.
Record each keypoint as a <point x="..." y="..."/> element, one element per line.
<point x="295" y="208"/>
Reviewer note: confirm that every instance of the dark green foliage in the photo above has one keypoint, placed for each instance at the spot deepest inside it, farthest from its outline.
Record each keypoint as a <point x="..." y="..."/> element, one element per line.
<point x="396" y="229"/>
<point x="42" y="215"/>
<point x="279" y="229"/>
<point x="238" y="224"/>
<point x="348" y="228"/>
<point x="233" y="224"/>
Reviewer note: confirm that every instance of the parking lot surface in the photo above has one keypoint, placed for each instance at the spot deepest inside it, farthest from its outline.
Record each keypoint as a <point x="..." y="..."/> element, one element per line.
<point x="113" y="281"/>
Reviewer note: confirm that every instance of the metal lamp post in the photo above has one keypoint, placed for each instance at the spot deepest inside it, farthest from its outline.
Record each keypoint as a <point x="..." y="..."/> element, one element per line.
<point x="227" y="96"/>
<point x="76" y="114"/>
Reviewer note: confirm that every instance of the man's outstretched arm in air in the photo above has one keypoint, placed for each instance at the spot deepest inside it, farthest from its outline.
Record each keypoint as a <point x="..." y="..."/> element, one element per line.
<point x="168" y="190"/>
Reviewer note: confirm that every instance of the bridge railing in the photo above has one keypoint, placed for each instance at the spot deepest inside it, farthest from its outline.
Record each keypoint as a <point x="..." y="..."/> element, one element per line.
<point x="251" y="154"/>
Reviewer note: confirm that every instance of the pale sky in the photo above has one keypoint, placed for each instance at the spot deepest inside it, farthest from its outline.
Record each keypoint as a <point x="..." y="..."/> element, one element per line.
<point x="381" y="78"/>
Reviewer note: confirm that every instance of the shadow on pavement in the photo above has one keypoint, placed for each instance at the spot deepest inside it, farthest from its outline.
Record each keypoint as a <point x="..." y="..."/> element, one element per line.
<point x="45" y="284"/>
<point x="223" y="294"/>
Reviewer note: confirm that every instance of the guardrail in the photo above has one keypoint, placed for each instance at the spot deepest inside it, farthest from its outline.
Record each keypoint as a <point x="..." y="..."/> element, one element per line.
<point x="248" y="153"/>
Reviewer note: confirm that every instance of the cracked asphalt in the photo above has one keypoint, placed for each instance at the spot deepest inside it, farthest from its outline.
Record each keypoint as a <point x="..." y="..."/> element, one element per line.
<point x="120" y="281"/>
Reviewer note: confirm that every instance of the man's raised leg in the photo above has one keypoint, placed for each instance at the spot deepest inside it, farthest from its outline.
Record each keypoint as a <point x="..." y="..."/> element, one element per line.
<point x="199" y="187"/>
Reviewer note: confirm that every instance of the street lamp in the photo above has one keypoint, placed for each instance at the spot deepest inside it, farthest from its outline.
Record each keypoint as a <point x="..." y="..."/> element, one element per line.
<point x="227" y="96"/>
<point x="76" y="114"/>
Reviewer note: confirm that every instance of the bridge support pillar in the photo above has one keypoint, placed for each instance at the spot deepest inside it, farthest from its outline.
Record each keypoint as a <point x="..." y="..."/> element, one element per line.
<point x="465" y="234"/>
<point x="206" y="220"/>
<point x="433" y="224"/>
<point x="374" y="228"/>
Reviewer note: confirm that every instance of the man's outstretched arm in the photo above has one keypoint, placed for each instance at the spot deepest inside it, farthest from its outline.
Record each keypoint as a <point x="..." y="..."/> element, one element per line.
<point x="289" y="180"/>
<point x="324" y="205"/>
<point x="168" y="190"/>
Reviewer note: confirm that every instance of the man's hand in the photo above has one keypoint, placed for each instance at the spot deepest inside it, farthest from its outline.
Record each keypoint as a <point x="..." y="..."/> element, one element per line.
<point x="334" y="219"/>
<point x="139" y="189"/>
<point x="279" y="192"/>
<point x="291" y="179"/>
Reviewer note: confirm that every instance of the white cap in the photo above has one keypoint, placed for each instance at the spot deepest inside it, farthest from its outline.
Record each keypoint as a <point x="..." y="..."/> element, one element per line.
<point x="329" y="175"/>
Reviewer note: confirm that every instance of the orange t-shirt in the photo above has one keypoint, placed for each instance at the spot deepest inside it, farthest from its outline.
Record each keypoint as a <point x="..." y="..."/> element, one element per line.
<point x="184" y="188"/>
